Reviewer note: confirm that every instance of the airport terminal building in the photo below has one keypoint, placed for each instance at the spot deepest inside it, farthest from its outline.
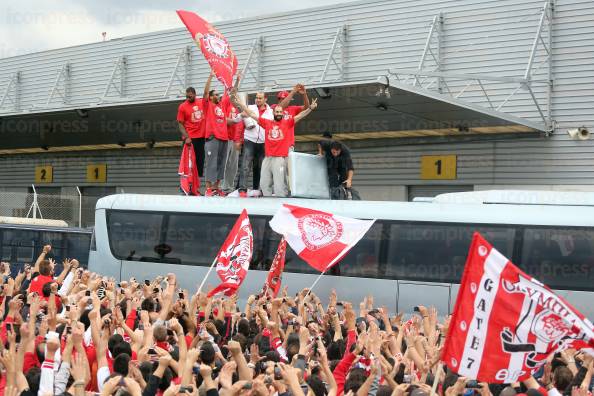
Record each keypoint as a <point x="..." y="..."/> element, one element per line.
<point x="431" y="97"/>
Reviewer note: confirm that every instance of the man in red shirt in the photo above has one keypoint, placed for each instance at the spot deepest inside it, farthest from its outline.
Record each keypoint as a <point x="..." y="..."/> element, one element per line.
<point x="278" y="139"/>
<point x="216" y="120"/>
<point x="285" y="99"/>
<point x="190" y="117"/>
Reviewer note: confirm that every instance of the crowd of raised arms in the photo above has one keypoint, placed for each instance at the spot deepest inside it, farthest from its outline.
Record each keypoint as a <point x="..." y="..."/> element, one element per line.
<point x="76" y="332"/>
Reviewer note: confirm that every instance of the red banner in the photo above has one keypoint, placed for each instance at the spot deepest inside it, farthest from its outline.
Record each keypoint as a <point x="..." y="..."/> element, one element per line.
<point x="507" y="323"/>
<point x="275" y="274"/>
<point x="233" y="260"/>
<point x="214" y="47"/>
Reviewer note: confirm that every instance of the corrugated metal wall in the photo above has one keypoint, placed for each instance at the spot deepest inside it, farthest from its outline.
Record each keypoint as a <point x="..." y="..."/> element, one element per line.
<point x="479" y="36"/>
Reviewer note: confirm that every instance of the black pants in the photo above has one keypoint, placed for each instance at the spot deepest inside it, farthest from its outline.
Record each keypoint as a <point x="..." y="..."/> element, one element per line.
<point x="198" y="144"/>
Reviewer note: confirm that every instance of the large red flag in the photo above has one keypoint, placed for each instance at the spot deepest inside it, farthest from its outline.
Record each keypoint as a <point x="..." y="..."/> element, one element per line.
<point x="275" y="274"/>
<point x="507" y="323"/>
<point x="214" y="47"/>
<point x="233" y="260"/>
<point x="321" y="239"/>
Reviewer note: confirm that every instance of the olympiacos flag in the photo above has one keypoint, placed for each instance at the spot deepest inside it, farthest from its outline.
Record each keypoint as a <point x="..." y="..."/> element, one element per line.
<point x="233" y="260"/>
<point x="321" y="239"/>
<point x="275" y="274"/>
<point x="214" y="47"/>
<point x="507" y="323"/>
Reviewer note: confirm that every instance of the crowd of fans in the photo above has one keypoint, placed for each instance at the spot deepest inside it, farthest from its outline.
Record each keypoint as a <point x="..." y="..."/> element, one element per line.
<point x="78" y="332"/>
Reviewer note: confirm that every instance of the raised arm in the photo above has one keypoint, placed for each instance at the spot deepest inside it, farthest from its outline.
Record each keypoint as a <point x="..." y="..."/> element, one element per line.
<point x="46" y="250"/>
<point x="306" y="112"/>
<point x="303" y="93"/>
<point x="285" y="102"/>
<point x="205" y="96"/>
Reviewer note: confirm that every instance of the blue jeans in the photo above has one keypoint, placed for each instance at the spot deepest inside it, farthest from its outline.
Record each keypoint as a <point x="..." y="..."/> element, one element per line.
<point x="253" y="154"/>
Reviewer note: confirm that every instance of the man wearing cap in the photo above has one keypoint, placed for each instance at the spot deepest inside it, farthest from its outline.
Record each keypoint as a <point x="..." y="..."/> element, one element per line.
<point x="253" y="145"/>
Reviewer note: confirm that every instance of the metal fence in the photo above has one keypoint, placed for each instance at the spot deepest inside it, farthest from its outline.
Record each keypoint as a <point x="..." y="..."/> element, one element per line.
<point x="76" y="210"/>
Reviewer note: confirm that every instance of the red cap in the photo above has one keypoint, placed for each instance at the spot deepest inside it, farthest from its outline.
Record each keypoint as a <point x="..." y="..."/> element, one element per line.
<point x="282" y="94"/>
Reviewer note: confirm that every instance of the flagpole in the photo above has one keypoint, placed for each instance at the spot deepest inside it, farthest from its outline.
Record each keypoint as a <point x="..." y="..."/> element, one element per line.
<point x="208" y="273"/>
<point x="436" y="378"/>
<point x="315" y="282"/>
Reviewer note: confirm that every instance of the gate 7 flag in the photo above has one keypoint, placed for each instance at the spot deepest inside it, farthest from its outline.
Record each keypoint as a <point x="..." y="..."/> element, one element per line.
<point x="233" y="260"/>
<point x="507" y="323"/>
<point x="214" y="47"/>
<point x="321" y="239"/>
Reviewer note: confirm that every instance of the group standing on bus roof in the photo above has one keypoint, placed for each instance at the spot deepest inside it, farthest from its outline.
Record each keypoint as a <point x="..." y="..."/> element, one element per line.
<point x="222" y="129"/>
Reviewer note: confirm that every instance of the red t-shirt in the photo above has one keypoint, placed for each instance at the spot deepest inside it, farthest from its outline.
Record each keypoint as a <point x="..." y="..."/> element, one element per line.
<point x="216" y="118"/>
<point x="290" y="112"/>
<point x="279" y="136"/>
<point x="192" y="116"/>
<point x="38" y="282"/>
<point x="235" y="131"/>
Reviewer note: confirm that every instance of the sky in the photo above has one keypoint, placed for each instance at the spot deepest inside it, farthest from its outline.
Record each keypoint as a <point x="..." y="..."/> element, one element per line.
<point x="28" y="26"/>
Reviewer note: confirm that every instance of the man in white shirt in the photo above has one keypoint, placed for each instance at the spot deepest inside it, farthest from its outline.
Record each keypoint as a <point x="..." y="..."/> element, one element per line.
<point x="253" y="146"/>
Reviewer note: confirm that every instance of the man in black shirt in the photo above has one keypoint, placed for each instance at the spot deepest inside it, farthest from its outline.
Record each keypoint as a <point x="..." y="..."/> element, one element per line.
<point x="340" y="170"/>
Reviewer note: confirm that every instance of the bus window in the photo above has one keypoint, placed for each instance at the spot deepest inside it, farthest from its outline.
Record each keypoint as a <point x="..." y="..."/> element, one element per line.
<point x="76" y="246"/>
<point x="437" y="252"/>
<point x="363" y="260"/>
<point x="195" y="239"/>
<point x="293" y="262"/>
<point x="561" y="258"/>
<point x="5" y="245"/>
<point x="133" y="235"/>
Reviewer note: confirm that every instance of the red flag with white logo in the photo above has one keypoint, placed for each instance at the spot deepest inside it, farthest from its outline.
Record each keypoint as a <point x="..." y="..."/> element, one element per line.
<point x="275" y="274"/>
<point x="321" y="239"/>
<point x="507" y="323"/>
<point x="233" y="260"/>
<point x="214" y="47"/>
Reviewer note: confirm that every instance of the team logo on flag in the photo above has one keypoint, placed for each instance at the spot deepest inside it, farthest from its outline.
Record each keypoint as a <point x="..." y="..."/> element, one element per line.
<point x="214" y="44"/>
<point x="237" y="255"/>
<point x="233" y="260"/>
<point x="319" y="230"/>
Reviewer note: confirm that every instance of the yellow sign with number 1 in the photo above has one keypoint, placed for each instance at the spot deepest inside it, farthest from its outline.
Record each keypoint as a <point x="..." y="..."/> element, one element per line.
<point x="438" y="167"/>
<point x="96" y="173"/>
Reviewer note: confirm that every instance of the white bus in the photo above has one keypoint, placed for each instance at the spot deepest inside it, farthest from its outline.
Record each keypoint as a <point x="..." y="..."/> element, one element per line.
<point x="414" y="253"/>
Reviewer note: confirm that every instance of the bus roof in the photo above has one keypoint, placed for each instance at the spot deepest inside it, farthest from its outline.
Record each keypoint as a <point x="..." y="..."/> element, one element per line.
<point x="404" y="211"/>
<point x="33" y="222"/>
<point x="518" y="197"/>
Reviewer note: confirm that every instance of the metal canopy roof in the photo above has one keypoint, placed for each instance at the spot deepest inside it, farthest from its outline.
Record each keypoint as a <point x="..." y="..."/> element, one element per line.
<point x="356" y="110"/>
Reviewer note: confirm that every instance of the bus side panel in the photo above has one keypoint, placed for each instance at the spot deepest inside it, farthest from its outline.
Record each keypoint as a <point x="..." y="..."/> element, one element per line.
<point x="411" y="294"/>
<point x="102" y="260"/>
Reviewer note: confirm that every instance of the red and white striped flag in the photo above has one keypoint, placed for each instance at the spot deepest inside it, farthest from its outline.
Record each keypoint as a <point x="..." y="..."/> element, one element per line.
<point x="275" y="274"/>
<point x="321" y="239"/>
<point x="507" y="323"/>
<point x="233" y="260"/>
